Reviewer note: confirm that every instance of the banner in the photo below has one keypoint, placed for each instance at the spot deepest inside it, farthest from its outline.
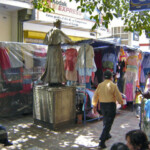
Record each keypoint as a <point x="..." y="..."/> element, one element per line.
<point x="139" y="5"/>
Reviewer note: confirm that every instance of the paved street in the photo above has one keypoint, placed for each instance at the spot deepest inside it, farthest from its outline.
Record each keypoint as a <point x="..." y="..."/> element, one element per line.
<point x="27" y="136"/>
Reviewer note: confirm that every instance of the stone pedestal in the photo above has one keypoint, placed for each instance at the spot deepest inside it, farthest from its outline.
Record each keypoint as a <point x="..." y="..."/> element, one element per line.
<point x="54" y="107"/>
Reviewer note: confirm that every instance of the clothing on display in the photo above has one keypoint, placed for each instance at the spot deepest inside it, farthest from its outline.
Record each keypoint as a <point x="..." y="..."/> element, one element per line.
<point x="70" y="64"/>
<point x="17" y="75"/>
<point x="131" y="75"/>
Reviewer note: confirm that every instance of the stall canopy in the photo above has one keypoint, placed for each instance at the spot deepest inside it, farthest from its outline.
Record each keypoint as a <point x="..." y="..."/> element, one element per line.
<point x="97" y="43"/>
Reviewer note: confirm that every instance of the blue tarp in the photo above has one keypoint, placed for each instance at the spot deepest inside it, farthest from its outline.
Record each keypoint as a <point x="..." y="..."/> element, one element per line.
<point x="139" y="5"/>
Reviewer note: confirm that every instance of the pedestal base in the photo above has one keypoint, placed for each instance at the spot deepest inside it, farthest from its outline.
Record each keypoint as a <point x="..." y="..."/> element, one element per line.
<point x="54" y="106"/>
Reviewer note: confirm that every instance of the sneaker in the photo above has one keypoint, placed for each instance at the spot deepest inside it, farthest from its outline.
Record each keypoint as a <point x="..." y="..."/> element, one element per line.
<point x="101" y="145"/>
<point x="109" y="136"/>
<point x="8" y="143"/>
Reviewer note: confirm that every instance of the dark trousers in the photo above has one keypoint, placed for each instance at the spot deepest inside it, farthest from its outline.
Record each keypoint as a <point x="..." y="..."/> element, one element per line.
<point x="3" y="135"/>
<point x="108" y="111"/>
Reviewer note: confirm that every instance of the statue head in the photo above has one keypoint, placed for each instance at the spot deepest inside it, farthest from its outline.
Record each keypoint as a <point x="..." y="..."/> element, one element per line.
<point x="57" y="24"/>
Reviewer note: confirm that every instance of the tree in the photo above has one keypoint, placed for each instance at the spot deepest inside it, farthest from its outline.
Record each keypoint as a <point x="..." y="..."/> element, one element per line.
<point x="108" y="9"/>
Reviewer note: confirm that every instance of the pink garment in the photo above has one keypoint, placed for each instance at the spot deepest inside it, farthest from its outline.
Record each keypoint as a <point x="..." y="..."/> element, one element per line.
<point x="4" y="59"/>
<point x="129" y="91"/>
<point x="71" y="59"/>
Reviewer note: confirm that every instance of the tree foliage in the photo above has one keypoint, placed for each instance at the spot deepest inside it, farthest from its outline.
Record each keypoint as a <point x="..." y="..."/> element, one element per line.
<point x="108" y="9"/>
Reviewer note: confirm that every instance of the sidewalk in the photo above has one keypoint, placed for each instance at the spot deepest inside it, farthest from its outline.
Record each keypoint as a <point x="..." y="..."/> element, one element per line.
<point x="27" y="136"/>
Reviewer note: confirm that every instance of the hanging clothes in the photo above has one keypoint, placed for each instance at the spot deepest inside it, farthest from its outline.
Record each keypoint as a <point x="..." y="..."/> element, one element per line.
<point x="145" y="67"/>
<point x="89" y="56"/>
<point x="54" y="68"/>
<point x="4" y="59"/>
<point x="90" y="69"/>
<point x="108" y="61"/>
<point x="131" y="76"/>
<point x="70" y="64"/>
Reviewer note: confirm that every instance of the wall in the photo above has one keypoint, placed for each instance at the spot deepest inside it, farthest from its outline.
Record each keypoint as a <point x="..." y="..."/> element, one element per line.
<point x="8" y="26"/>
<point x="5" y="26"/>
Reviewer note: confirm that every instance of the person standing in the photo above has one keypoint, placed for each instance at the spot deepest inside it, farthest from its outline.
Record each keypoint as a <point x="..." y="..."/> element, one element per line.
<point x="107" y="93"/>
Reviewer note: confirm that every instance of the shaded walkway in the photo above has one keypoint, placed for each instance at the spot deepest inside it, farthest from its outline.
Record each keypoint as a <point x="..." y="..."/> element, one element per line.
<point x="27" y="136"/>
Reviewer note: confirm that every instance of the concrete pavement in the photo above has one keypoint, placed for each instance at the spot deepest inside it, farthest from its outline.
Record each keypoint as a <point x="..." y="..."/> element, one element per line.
<point x="27" y="136"/>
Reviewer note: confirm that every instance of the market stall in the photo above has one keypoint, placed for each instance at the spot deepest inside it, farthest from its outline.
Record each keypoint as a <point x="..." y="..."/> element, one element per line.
<point x="21" y="66"/>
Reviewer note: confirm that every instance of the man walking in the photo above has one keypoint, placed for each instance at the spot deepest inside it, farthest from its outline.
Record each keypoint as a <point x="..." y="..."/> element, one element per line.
<point x="107" y="93"/>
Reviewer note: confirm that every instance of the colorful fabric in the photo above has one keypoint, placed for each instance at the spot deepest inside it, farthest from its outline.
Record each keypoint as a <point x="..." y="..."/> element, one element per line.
<point x="132" y="60"/>
<point x="129" y="91"/>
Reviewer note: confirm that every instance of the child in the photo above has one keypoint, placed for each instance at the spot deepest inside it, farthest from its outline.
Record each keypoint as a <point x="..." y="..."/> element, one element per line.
<point x="138" y="99"/>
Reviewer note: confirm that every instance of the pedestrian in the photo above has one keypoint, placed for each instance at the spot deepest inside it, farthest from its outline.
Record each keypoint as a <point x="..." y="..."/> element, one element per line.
<point x="138" y="99"/>
<point x="4" y="137"/>
<point x="137" y="140"/>
<point x="119" y="146"/>
<point x="107" y="93"/>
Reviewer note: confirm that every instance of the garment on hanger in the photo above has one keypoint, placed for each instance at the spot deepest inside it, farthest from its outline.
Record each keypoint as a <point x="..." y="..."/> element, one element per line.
<point x="4" y="59"/>
<point x="88" y="49"/>
<point x="71" y="59"/>
<point x="70" y="64"/>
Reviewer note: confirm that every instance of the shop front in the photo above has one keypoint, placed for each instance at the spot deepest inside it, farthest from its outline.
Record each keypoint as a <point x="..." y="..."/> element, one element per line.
<point x="75" y="24"/>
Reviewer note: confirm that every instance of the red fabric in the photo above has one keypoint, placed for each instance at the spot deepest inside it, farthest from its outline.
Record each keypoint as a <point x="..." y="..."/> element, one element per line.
<point x="93" y="76"/>
<point x="40" y="52"/>
<point x="4" y="59"/>
<point x="104" y="69"/>
<point x="27" y="87"/>
<point x="71" y="59"/>
<point x="98" y="60"/>
<point x="8" y="94"/>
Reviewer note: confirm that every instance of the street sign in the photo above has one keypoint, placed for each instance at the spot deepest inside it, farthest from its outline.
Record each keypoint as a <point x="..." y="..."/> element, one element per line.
<point x="139" y="5"/>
